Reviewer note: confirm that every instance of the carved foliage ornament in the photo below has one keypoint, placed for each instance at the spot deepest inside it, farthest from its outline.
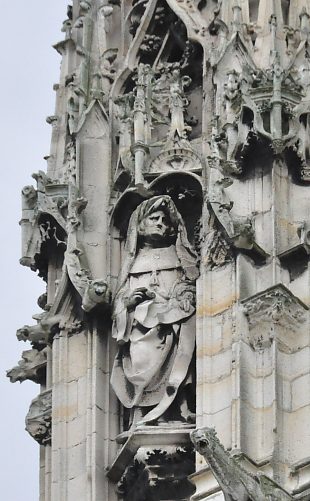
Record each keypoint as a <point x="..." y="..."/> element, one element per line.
<point x="276" y="304"/>
<point x="149" y="476"/>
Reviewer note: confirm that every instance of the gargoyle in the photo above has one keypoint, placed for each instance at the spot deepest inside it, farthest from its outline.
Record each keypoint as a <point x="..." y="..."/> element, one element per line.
<point x="40" y="333"/>
<point x="236" y="482"/>
<point x="96" y="292"/>
<point x="30" y="367"/>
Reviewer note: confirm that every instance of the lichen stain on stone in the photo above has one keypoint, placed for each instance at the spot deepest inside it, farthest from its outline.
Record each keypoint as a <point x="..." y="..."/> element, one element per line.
<point x="65" y="412"/>
<point x="288" y="225"/>
<point x="210" y="310"/>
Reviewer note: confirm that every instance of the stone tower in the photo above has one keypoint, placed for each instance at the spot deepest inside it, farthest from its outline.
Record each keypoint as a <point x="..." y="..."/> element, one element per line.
<point x="172" y="229"/>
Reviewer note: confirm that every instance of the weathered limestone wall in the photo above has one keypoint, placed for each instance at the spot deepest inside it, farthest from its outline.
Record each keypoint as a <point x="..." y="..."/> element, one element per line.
<point x="84" y="417"/>
<point x="175" y="208"/>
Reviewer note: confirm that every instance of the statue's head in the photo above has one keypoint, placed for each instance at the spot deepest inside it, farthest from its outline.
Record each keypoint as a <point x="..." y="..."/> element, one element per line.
<point x="158" y="222"/>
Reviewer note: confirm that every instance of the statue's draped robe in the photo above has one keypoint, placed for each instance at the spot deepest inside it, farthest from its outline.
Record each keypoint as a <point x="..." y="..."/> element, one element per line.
<point x="157" y="338"/>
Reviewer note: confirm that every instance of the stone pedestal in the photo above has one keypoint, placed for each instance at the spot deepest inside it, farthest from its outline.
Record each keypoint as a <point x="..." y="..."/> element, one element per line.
<point x="154" y="464"/>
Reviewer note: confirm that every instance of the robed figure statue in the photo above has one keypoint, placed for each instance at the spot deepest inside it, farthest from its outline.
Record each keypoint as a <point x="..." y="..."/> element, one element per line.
<point x="154" y="314"/>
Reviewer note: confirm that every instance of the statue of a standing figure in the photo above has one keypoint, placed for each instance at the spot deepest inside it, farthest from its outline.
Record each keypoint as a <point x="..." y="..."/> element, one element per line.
<point x="154" y="315"/>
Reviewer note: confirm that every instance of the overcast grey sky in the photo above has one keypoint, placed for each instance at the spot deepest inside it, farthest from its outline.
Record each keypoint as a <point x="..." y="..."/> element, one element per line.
<point x="29" y="68"/>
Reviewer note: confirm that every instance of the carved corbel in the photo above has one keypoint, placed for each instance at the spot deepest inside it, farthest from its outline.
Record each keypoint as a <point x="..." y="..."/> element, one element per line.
<point x="30" y="197"/>
<point x="39" y="418"/>
<point x="151" y="471"/>
<point x="276" y="306"/>
<point x="85" y="6"/>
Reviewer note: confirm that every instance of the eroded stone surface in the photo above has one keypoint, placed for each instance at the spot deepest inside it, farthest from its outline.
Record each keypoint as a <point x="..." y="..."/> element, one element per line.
<point x="195" y="114"/>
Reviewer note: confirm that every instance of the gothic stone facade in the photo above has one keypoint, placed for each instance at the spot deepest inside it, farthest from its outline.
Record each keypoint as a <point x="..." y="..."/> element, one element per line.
<point x="172" y="229"/>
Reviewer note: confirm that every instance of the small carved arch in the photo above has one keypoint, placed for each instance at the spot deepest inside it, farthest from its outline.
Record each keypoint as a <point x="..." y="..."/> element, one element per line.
<point x="186" y="191"/>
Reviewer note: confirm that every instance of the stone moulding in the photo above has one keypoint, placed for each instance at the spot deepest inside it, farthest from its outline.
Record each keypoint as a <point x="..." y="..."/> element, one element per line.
<point x="275" y="304"/>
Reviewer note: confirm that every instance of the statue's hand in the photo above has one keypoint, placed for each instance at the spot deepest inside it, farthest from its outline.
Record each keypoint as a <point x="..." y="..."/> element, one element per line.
<point x="138" y="296"/>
